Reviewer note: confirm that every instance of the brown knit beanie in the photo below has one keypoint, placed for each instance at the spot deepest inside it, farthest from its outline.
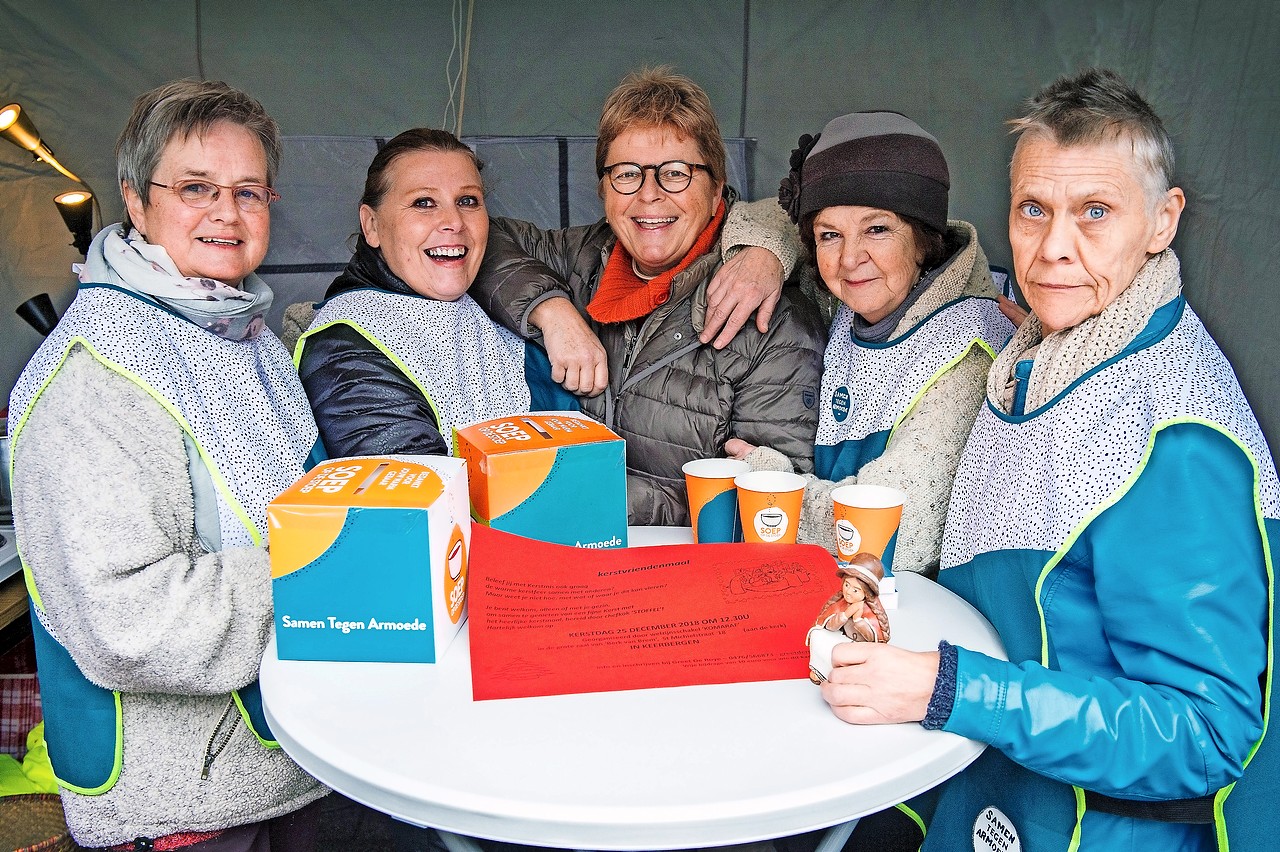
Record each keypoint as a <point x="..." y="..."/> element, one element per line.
<point x="869" y="159"/>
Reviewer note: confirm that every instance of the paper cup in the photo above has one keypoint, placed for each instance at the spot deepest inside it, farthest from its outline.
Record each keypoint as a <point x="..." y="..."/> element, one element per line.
<point x="769" y="504"/>
<point x="867" y="518"/>
<point x="713" y="500"/>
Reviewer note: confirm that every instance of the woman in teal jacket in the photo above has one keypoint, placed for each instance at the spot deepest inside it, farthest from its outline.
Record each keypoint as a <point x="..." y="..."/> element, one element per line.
<point x="1114" y="515"/>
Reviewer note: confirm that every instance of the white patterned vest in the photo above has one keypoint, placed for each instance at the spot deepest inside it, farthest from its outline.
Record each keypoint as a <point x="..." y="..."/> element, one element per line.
<point x="1077" y="452"/>
<point x="239" y="401"/>
<point x="868" y="389"/>
<point x="1046" y="538"/>
<point x="466" y="366"/>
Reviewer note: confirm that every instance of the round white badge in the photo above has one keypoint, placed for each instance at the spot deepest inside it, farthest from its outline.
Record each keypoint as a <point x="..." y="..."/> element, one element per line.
<point x="848" y="539"/>
<point x="994" y="832"/>
<point x="771" y="523"/>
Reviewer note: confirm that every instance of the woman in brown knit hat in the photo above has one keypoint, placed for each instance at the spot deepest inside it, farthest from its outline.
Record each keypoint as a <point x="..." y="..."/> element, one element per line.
<point x="915" y="330"/>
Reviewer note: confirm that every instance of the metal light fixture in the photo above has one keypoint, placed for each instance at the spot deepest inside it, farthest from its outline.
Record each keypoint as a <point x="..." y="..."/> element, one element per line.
<point x="76" y="208"/>
<point x="17" y="127"/>
<point x="39" y="313"/>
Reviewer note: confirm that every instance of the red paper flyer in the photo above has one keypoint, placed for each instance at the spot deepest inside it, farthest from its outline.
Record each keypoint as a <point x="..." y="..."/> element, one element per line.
<point x="548" y="620"/>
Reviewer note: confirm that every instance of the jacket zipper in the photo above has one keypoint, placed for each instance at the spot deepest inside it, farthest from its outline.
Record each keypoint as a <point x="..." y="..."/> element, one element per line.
<point x="1021" y="378"/>
<point x="220" y="737"/>
<point x="635" y="331"/>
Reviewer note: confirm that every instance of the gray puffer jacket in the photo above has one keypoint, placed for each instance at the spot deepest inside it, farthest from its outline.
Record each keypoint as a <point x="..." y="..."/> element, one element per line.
<point x="671" y="397"/>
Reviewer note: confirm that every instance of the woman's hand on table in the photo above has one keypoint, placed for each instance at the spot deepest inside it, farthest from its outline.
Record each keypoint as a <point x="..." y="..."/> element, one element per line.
<point x="750" y="281"/>
<point x="877" y="684"/>
<point x="736" y="448"/>
<point x="578" y="361"/>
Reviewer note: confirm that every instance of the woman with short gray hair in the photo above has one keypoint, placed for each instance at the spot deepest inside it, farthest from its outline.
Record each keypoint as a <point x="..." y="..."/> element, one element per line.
<point x="150" y="430"/>
<point x="1115" y="515"/>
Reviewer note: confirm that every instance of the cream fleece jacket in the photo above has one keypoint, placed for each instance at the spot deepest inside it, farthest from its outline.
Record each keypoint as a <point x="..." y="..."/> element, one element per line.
<point x="105" y="520"/>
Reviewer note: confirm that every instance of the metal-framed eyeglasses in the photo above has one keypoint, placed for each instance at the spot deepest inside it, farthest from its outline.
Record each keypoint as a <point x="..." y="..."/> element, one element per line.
<point x="200" y="193"/>
<point x="672" y="176"/>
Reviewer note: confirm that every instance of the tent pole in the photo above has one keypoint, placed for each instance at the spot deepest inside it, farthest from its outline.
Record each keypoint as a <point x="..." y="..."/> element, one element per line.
<point x="466" y="56"/>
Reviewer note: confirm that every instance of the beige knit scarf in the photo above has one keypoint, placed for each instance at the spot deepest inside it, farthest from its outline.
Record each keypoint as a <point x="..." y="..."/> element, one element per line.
<point x="1066" y="355"/>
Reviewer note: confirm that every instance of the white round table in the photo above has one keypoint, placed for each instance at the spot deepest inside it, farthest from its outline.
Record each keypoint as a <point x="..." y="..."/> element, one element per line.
<point x="642" y="769"/>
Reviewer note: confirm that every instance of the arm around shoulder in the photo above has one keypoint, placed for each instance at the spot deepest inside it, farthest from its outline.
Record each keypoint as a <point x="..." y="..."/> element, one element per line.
<point x="763" y="224"/>
<point x="523" y="266"/>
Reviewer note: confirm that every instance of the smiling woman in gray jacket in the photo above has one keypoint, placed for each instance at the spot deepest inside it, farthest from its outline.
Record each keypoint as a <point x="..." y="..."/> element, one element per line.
<point x="641" y="276"/>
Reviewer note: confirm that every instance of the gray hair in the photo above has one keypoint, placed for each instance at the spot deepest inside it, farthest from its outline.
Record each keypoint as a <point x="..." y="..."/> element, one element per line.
<point x="1094" y="106"/>
<point x="177" y="110"/>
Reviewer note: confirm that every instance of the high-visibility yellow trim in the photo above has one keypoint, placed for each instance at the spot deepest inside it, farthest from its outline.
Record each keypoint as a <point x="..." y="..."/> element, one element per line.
<point x="946" y="368"/>
<point x="218" y="481"/>
<point x="117" y="759"/>
<point x="1221" y="796"/>
<point x="395" y="359"/>
<point x="248" y="722"/>
<point x="914" y="817"/>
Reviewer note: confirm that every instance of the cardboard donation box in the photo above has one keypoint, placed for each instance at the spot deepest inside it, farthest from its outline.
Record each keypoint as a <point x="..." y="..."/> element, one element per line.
<point x="369" y="559"/>
<point x="556" y="477"/>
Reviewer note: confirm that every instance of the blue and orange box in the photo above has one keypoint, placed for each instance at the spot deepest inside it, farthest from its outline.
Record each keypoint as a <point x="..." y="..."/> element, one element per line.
<point x="369" y="559"/>
<point x="553" y="476"/>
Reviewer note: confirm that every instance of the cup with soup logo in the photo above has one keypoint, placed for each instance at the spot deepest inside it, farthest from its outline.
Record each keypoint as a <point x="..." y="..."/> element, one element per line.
<point x="866" y="520"/>
<point x="769" y="504"/>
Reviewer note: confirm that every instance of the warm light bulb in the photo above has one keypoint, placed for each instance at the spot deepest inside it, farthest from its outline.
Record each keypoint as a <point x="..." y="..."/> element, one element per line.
<point x="8" y="116"/>
<point x="73" y="197"/>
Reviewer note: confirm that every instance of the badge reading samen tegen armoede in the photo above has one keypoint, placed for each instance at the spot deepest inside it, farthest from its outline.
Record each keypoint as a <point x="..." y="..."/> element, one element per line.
<point x="840" y="404"/>
<point x="994" y="832"/>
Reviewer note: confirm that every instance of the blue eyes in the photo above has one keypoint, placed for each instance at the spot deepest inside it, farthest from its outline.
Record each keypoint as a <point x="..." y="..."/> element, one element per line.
<point x="1092" y="213"/>
<point x="430" y="203"/>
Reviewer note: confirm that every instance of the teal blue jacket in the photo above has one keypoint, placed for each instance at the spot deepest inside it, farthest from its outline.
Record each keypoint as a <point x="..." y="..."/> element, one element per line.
<point x="1139" y="644"/>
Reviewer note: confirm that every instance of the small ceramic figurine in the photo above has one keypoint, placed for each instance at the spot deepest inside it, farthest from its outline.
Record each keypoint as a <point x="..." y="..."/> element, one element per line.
<point x="854" y="611"/>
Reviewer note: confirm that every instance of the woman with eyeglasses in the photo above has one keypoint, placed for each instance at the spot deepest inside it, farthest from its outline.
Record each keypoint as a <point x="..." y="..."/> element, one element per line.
<point x="641" y="275"/>
<point x="150" y="430"/>
<point x="398" y="354"/>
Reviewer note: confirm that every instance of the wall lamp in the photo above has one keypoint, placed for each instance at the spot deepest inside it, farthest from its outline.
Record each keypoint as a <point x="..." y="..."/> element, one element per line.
<point x="39" y="313"/>
<point x="17" y="127"/>
<point x="76" y="208"/>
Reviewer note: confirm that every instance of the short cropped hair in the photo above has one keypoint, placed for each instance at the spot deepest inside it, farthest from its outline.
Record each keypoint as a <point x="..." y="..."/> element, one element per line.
<point x="177" y="110"/>
<point x="1096" y="106"/>
<point x="658" y="97"/>
<point x="416" y="139"/>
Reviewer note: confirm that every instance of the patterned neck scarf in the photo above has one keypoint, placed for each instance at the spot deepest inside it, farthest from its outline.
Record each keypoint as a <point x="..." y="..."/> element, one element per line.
<point x="133" y="264"/>
<point x="1066" y="355"/>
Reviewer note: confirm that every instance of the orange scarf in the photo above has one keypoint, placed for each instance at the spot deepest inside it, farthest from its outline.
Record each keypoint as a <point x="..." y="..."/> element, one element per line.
<point x="623" y="295"/>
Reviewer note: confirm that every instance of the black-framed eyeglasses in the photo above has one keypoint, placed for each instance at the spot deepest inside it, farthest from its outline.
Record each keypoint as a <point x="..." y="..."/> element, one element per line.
<point x="199" y="193"/>
<point x="672" y="176"/>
